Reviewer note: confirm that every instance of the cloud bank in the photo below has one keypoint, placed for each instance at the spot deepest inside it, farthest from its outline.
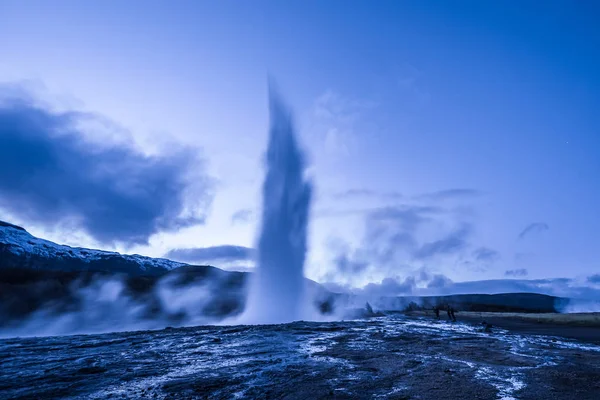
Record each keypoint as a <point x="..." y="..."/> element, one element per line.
<point x="399" y="239"/>
<point x="50" y="174"/>
<point x="215" y="254"/>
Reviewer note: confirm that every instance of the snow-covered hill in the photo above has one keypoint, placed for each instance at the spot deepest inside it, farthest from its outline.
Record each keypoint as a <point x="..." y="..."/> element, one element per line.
<point x="20" y="249"/>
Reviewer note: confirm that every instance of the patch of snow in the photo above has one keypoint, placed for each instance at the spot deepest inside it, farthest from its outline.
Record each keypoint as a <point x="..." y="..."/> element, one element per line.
<point x="18" y="241"/>
<point x="507" y="383"/>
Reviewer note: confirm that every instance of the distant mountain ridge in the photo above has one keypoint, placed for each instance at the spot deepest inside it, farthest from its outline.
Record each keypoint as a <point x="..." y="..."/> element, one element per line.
<point x="499" y="302"/>
<point x="20" y="249"/>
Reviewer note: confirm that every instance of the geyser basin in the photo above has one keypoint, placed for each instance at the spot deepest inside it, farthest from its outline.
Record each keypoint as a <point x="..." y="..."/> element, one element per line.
<point x="277" y="290"/>
<point x="392" y="357"/>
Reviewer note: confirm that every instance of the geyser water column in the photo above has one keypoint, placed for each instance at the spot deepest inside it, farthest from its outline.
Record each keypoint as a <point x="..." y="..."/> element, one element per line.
<point x="277" y="289"/>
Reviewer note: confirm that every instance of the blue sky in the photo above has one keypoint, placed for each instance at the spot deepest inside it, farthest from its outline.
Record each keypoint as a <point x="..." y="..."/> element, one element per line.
<point x="461" y="139"/>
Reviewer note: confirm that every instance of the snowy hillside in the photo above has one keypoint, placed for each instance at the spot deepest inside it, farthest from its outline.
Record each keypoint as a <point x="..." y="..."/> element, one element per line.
<point x="20" y="249"/>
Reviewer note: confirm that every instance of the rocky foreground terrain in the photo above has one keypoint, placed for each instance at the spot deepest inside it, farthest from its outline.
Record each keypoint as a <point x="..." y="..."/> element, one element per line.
<point x="392" y="357"/>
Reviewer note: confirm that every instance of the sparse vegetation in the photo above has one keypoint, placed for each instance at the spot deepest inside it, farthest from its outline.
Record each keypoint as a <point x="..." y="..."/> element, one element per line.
<point x="579" y="319"/>
<point x="575" y="319"/>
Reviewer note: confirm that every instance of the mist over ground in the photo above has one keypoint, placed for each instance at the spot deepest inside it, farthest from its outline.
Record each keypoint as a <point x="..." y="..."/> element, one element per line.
<point x="59" y="303"/>
<point x="63" y="303"/>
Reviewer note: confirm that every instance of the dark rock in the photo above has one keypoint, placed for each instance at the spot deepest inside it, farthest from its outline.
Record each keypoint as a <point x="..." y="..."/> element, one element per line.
<point x="91" y="370"/>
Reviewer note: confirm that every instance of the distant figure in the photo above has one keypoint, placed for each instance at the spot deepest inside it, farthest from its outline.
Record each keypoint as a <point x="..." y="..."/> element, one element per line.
<point x="452" y="314"/>
<point x="448" y="311"/>
<point x="486" y="327"/>
<point x="436" y="310"/>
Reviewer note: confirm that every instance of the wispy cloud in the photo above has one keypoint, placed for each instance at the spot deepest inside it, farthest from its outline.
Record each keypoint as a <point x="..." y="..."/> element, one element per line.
<point x="484" y="254"/>
<point x="367" y="193"/>
<point x="408" y="217"/>
<point x="242" y="216"/>
<point x="516" y="272"/>
<point x="402" y="236"/>
<point x="535" y="227"/>
<point x="50" y="173"/>
<point x="389" y="238"/>
<point x="452" y="243"/>
<point x="345" y="265"/>
<point x="336" y="118"/>
<point x="450" y="194"/>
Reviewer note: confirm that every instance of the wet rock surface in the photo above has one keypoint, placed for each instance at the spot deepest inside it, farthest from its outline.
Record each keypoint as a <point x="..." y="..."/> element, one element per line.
<point x="389" y="357"/>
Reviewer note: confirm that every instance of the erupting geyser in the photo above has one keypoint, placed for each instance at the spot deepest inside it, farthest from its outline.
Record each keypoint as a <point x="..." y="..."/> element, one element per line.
<point x="276" y="294"/>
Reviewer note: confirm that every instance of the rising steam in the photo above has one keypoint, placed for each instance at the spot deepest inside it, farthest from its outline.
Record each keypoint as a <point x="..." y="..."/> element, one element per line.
<point x="277" y="291"/>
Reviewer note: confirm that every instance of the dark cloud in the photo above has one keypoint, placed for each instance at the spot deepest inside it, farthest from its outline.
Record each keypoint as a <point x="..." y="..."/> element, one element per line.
<point x="535" y="227"/>
<point x="451" y="244"/>
<point x="450" y="194"/>
<point x="516" y="272"/>
<point x="242" y="216"/>
<point x="594" y="279"/>
<point x="408" y="285"/>
<point x="345" y="265"/>
<point x="389" y="287"/>
<point x="423" y="275"/>
<point x="225" y="253"/>
<point x="391" y="232"/>
<point x="484" y="254"/>
<point x="50" y="174"/>
<point x="389" y="236"/>
<point x="439" y="281"/>
<point x="361" y="193"/>
<point x="391" y="241"/>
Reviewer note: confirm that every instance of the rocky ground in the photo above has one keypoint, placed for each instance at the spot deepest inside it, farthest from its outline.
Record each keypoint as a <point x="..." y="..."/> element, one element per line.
<point x="394" y="357"/>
